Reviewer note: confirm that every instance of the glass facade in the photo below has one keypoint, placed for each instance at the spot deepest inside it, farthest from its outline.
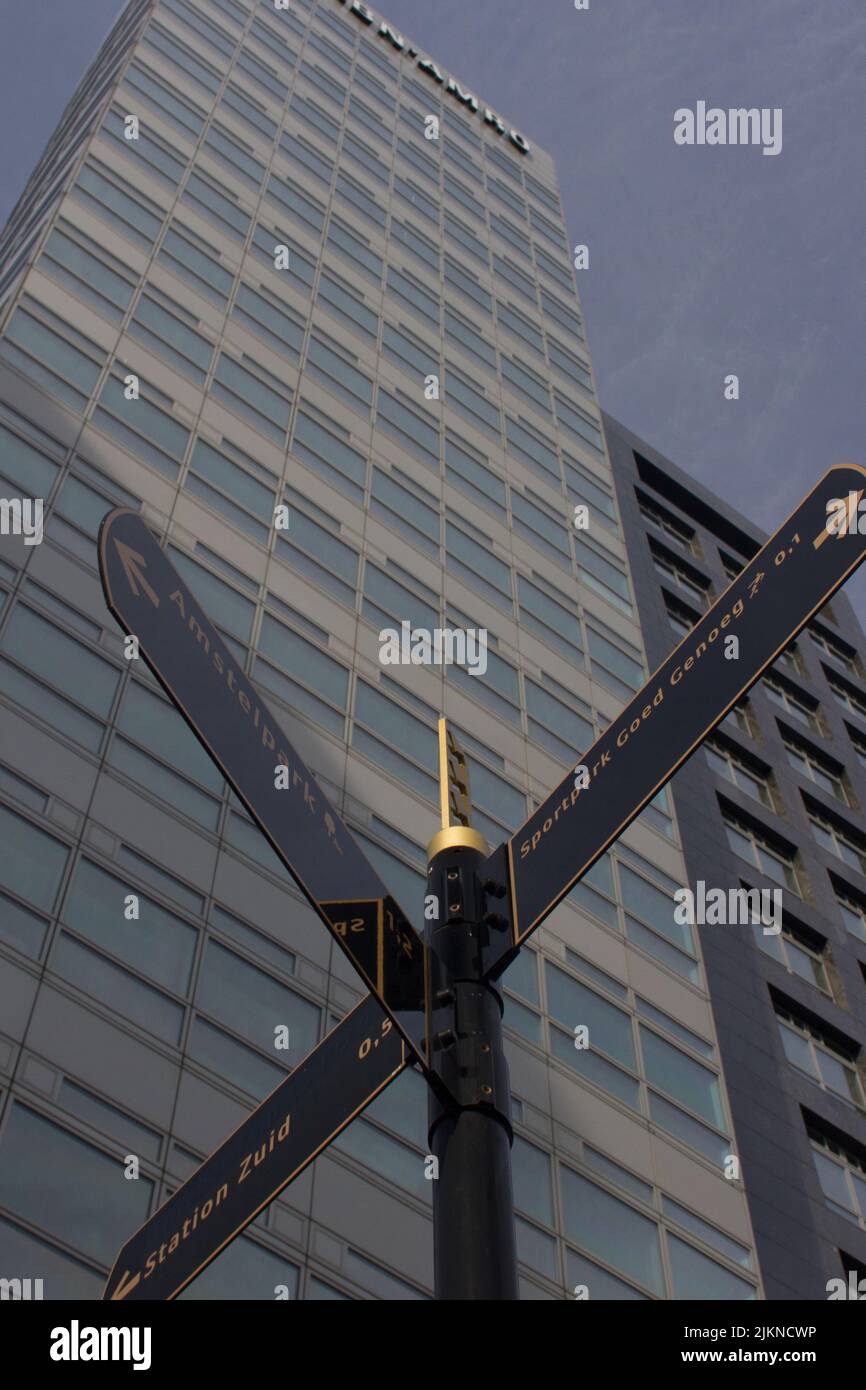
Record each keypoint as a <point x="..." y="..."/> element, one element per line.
<point x="260" y="283"/>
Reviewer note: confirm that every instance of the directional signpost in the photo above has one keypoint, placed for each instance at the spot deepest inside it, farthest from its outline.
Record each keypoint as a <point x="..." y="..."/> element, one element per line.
<point x="149" y="599"/>
<point x="768" y="603"/>
<point x="437" y="993"/>
<point x="274" y="1144"/>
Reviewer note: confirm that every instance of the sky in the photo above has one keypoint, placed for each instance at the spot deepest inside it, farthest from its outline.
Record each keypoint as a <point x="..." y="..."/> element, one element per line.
<point x="705" y="261"/>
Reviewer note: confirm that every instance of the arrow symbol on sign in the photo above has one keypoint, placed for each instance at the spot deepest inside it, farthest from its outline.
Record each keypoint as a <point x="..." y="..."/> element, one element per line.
<point x="133" y="566"/>
<point x="123" y="1287"/>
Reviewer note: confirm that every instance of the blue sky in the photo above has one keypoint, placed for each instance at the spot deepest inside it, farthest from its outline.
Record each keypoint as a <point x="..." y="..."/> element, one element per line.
<point x="703" y="261"/>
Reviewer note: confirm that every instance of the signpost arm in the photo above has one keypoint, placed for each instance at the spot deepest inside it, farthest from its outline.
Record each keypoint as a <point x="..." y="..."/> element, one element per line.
<point x="470" y="1135"/>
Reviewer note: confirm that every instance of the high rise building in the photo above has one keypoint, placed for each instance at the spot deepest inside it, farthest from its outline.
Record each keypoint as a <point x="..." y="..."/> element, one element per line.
<point x="280" y="257"/>
<point x="774" y="801"/>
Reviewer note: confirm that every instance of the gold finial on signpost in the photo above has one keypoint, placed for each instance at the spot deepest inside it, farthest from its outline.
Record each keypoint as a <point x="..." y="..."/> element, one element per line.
<point x="455" y="801"/>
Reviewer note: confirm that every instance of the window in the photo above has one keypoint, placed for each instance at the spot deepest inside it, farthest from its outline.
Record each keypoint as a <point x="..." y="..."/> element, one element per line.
<point x="858" y="743"/>
<point x="835" y="647"/>
<point x="847" y="695"/>
<point x="160" y="96"/>
<point x="324" y="445"/>
<point x="801" y="952"/>
<point x="591" y="490"/>
<point x="468" y="470"/>
<point x="175" y="769"/>
<point x="51" y="352"/>
<point x="89" y="1210"/>
<point x="771" y="857"/>
<point x="789" y="661"/>
<point x="360" y="199"/>
<point x="841" y="1168"/>
<point x="219" y="208"/>
<point x="687" y="1081"/>
<point x="472" y="403"/>
<point x="611" y="1230"/>
<point x="551" y="615"/>
<point x="573" y="367"/>
<point x="728" y="762"/>
<point x="397" y="416"/>
<point x="475" y="562"/>
<point x="246" y="1000"/>
<point x="32" y="863"/>
<point x="142" y="426"/>
<point x="852" y="907"/>
<point x="407" y="507"/>
<point x="792" y="701"/>
<point x="466" y="239"/>
<point x="160" y="945"/>
<point x="599" y="570"/>
<point x="816" y="766"/>
<point x="312" y="115"/>
<point x="828" y="1061"/>
<point x="413" y="294"/>
<point x="301" y="270"/>
<point x="113" y="200"/>
<point x="520" y="326"/>
<point x="611" y="1040"/>
<point x="466" y="336"/>
<point x="303" y="208"/>
<point x="312" y="545"/>
<point x="534" y="448"/>
<point x="246" y="500"/>
<point x="338" y="371"/>
<point x="417" y="199"/>
<point x="248" y="389"/>
<point x="498" y="688"/>
<point x="348" y="306"/>
<point x="555" y="309"/>
<point x="152" y="154"/>
<point x="171" y="333"/>
<point x="534" y="520"/>
<point x="250" y="111"/>
<point x="355" y="248"/>
<point x="415" y="242"/>
<point x="578" y="422"/>
<point x="387" y="603"/>
<point x="74" y="689"/>
<point x="183" y="253"/>
<point x="459" y="278"/>
<point x="524" y="382"/>
<point x="278" y="325"/>
<point x="838" y="839"/>
<point x="394" y="740"/>
<point x="665" y="523"/>
<point x="687" y="580"/>
<point x="557" y="726"/>
<point x="302" y="675"/>
<point x="260" y="73"/>
<point x="235" y="154"/>
<point x="182" y="57"/>
<point x="650" y="924"/>
<point x="88" y="270"/>
<point x="615" y="663"/>
<point x="323" y="82"/>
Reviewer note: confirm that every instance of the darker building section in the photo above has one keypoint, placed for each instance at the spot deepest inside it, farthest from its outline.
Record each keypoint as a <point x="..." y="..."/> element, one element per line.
<point x="774" y="800"/>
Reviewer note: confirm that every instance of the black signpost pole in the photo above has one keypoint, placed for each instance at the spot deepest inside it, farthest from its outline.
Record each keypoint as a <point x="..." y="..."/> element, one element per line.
<point x="470" y="1137"/>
